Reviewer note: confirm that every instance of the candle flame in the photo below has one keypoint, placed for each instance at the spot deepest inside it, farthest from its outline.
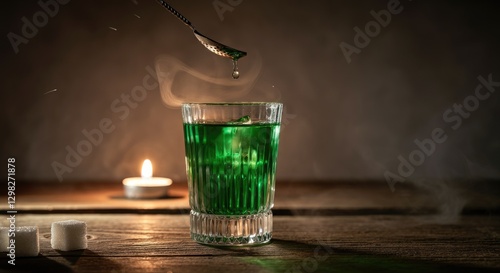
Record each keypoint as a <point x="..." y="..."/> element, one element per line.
<point x="147" y="169"/>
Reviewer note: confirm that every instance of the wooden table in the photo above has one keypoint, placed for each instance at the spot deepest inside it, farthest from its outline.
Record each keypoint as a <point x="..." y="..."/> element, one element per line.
<point x="318" y="227"/>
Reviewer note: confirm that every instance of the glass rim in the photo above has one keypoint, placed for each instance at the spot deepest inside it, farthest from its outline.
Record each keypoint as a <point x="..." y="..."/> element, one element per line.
<point x="230" y="103"/>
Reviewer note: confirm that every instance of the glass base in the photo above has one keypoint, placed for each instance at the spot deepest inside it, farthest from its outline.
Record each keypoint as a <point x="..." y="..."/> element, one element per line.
<point x="231" y="230"/>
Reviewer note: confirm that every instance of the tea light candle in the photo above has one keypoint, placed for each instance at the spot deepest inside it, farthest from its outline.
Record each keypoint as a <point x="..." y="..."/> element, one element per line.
<point x="146" y="186"/>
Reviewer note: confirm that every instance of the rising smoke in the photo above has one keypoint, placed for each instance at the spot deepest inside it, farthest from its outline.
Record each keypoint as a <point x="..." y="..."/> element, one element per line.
<point x="180" y="83"/>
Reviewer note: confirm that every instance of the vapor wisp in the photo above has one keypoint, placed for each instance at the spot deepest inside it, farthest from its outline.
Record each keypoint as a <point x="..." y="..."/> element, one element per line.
<point x="180" y="83"/>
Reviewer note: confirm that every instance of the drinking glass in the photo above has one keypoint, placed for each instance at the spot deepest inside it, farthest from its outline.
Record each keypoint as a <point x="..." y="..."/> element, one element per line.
<point x="231" y="151"/>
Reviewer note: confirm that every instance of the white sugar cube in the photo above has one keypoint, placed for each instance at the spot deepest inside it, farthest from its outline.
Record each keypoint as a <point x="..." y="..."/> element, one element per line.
<point x="23" y="241"/>
<point x="69" y="235"/>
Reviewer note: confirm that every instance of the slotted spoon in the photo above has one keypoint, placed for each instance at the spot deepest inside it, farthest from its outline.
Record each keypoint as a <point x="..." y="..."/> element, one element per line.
<point x="212" y="45"/>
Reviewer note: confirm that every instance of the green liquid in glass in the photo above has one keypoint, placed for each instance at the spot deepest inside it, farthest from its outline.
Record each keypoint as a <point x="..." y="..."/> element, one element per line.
<point x="231" y="167"/>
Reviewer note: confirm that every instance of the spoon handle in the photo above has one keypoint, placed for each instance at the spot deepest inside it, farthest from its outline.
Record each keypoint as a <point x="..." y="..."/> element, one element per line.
<point x="176" y="13"/>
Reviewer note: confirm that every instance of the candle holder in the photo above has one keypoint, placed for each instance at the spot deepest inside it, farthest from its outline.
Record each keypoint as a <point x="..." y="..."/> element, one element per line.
<point x="139" y="188"/>
<point x="146" y="186"/>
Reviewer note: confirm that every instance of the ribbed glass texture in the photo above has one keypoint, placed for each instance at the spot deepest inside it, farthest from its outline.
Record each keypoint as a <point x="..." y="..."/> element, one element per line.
<point x="231" y="152"/>
<point x="231" y="230"/>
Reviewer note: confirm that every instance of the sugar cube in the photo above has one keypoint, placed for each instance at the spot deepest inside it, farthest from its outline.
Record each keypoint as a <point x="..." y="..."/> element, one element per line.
<point x="68" y="235"/>
<point x="23" y="241"/>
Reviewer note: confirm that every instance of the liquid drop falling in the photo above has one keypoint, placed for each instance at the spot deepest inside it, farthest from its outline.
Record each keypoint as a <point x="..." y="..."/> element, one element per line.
<point x="236" y="73"/>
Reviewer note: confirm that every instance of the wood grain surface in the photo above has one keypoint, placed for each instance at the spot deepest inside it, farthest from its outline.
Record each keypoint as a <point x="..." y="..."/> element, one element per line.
<point x="295" y="196"/>
<point x="376" y="235"/>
